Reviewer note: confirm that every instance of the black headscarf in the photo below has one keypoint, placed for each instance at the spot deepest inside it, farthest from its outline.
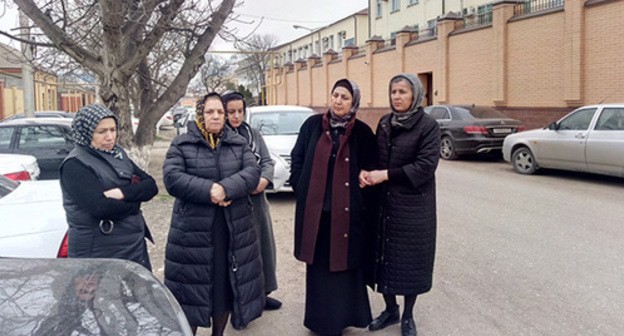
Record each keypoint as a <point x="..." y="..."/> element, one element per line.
<point x="85" y="122"/>
<point x="352" y="87"/>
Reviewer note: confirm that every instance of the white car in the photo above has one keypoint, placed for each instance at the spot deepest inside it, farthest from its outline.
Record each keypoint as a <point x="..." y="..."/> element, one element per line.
<point x="19" y="167"/>
<point x="588" y="139"/>
<point x="279" y="126"/>
<point x="33" y="219"/>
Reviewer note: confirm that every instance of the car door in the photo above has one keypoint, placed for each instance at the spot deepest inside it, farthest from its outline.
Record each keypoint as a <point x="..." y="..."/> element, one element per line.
<point x="6" y="137"/>
<point x="564" y="147"/>
<point x="605" y="143"/>
<point x="50" y="144"/>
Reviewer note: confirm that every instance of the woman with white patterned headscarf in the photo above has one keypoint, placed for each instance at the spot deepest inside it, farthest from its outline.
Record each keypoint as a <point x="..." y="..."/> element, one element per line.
<point x="103" y="191"/>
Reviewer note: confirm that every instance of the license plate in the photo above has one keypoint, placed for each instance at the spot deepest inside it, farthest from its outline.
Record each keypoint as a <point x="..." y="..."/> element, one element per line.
<point x="501" y="130"/>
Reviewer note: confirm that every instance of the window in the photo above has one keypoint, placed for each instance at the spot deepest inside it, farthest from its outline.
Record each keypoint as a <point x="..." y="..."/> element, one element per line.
<point x="379" y="8"/>
<point x="440" y="113"/>
<point x="396" y="5"/>
<point x="611" y="119"/>
<point x="6" y="133"/>
<point x="578" y="121"/>
<point x="43" y="137"/>
<point x="413" y="2"/>
<point x="350" y="42"/>
<point x="331" y="42"/>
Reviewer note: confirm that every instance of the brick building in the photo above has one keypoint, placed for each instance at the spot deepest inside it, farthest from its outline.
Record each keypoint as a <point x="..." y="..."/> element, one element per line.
<point x="534" y="63"/>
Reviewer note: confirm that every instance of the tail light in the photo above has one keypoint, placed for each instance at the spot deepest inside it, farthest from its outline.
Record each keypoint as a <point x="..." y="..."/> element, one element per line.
<point x="520" y="128"/>
<point x="63" y="252"/>
<point x="475" y="129"/>
<point x="19" y="176"/>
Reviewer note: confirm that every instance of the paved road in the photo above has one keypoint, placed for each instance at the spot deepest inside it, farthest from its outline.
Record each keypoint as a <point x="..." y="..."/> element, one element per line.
<point x="517" y="255"/>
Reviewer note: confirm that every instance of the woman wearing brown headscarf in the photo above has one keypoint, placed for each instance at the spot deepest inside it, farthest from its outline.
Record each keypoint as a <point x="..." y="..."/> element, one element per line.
<point x="330" y="221"/>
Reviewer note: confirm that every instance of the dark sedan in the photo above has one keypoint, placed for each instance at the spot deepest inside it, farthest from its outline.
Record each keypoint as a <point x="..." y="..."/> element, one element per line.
<point x="471" y="129"/>
<point x="47" y="139"/>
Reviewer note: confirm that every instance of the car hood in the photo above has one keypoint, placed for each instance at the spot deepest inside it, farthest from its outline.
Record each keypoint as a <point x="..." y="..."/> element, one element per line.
<point x="280" y="144"/>
<point x="86" y="296"/>
<point x="535" y="133"/>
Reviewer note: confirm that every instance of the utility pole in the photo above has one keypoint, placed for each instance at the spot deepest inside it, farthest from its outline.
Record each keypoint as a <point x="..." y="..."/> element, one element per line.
<point x="27" y="73"/>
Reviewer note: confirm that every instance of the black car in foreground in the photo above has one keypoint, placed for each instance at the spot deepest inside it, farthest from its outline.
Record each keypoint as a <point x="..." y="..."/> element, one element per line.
<point x="471" y="129"/>
<point x="47" y="139"/>
<point x="43" y="297"/>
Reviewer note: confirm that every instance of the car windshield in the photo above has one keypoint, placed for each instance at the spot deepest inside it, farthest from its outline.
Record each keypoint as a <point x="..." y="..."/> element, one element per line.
<point x="279" y="123"/>
<point x="6" y="186"/>
<point x="478" y="112"/>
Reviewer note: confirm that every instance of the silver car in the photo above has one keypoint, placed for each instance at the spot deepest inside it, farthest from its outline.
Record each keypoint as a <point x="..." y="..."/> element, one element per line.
<point x="279" y="126"/>
<point x="588" y="139"/>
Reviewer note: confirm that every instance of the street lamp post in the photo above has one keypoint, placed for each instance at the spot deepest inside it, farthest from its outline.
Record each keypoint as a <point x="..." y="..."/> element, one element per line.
<point x="318" y="32"/>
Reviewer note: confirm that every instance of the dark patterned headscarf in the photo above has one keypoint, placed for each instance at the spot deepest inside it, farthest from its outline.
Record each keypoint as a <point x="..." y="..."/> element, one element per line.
<point x="352" y="87"/>
<point x="85" y="122"/>
<point x="398" y="118"/>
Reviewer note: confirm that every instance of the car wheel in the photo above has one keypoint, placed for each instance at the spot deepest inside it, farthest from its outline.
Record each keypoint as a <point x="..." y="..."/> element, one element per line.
<point x="447" y="149"/>
<point x="523" y="161"/>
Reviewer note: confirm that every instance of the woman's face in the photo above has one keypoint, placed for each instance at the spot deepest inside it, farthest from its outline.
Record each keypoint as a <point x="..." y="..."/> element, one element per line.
<point x="341" y="101"/>
<point x="235" y="112"/>
<point x="214" y="115"/>
<point x="401" y="96"/>
<point x="105" y="134"/>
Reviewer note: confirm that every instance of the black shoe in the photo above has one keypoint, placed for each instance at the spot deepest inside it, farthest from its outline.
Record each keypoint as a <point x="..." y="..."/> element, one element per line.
<point x="272" y="304"/>
<point x="385" y="319"/>
<point x="408" y="327"/>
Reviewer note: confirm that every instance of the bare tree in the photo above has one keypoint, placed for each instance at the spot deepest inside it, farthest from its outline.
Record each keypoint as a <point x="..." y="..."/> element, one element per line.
<point x="215" y="72"/>
<point x="142" y="52"/>
<point x="258" y="55"/>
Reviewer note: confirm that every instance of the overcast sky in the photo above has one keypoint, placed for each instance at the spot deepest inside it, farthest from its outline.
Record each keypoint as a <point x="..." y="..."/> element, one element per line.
<point x="274" y="16"/>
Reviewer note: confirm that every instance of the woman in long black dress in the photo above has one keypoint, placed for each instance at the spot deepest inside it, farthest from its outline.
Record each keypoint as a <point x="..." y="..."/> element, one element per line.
<point x="212" y="261"/>
<point x="330" y="223"/>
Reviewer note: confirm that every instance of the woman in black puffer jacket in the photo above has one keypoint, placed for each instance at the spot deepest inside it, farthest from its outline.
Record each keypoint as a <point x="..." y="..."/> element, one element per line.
<point x="408" y="143"/>
<point x="212" y="261"/>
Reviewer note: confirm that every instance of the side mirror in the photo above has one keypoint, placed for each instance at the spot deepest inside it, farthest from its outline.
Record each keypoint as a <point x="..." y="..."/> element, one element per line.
<point x="553" y="126"/>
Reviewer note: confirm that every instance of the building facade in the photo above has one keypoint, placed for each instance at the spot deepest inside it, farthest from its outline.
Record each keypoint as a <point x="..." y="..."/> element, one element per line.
<point x="532" y="62"/>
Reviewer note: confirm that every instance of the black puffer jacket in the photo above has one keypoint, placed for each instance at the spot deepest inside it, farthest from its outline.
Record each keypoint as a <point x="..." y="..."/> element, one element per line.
<point x="190" y="169"/>
<point x="407" y="212"/>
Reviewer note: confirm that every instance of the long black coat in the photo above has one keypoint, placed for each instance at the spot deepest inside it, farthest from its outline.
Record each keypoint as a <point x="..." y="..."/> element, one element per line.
<point x="407" y="212"/>
<point x="362" y="156"/>
<point x="190" y="169"/>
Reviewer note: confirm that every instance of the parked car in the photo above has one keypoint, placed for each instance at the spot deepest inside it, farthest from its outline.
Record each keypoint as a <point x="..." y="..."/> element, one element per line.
<point x="44" y="114"/>
<point x="33" y="219"/>
<point x="47" y="139"/>
<point x="165" y="121"/>
<point x="589" y="139"/>
<point x="471" y="129"/>
<point x="19" y="167"/>
<point x="42" y="297"/>
<point x="279" y="126"/>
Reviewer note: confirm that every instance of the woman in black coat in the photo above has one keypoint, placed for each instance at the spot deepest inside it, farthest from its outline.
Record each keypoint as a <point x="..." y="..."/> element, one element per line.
<point x="103" y="191"/>
<point x="330" y="219"/>
<point x="212" y="259"/>
<point x="408" y="141"/>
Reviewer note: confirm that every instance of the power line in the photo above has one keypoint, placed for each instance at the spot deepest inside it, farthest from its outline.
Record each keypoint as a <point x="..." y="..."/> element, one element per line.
<point x="281" y="20"/>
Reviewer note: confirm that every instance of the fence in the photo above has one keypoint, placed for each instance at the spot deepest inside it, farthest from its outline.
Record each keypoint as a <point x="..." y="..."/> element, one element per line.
<point x="533" y="6"/>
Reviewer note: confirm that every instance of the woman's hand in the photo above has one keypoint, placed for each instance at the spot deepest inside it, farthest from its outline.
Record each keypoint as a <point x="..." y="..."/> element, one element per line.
<point x="261" y="186"/>
<point x="377" y="176"/>
<point x="363" y="179"/>
<point x="217" y="193"/>
<point x="114" y="193"/>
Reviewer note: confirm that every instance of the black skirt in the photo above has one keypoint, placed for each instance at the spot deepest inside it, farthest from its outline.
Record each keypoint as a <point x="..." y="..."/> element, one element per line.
<point x="222" y="296"/>
<point x="334" y="300"/>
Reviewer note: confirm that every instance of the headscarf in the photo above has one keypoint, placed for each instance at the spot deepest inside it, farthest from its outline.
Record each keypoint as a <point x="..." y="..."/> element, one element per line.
<point x="399" y="118"/>
<point x="213" y="139"/>
<point x="244" y="129"/>
<point x="85" y="122"/>
<point x="352" y="87"/>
